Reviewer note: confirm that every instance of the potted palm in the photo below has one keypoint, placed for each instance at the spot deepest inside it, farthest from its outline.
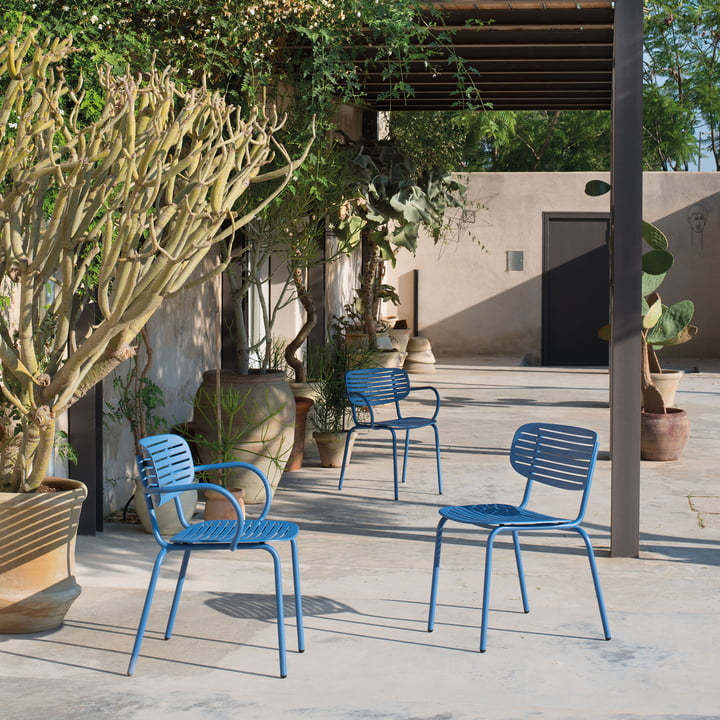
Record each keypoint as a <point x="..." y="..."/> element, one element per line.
<point x="329" y="414"/>
<point x="664" y="429"/>
<point x="100" y="219"/>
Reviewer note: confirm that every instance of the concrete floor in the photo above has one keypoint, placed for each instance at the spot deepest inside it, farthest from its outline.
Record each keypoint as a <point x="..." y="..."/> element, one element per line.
<point x="366" y="565"/>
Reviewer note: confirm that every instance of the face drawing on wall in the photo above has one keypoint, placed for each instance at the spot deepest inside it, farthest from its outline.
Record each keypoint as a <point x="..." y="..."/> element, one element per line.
<point x="696" y="217"/>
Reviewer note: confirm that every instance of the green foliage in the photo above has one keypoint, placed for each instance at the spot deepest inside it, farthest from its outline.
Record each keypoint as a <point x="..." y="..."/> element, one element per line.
<point x="130" y="202"/>
<point x="388" y="203"/>
<point x="247" y="47"/>
<point x="327" y="367"/>
<point x="681" y="78"/>
<point x="138" y="397"/>
<point x="662" y="325"/>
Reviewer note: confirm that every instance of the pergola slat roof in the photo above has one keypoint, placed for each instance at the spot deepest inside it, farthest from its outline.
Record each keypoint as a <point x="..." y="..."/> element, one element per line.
<point x="523" y="54"/>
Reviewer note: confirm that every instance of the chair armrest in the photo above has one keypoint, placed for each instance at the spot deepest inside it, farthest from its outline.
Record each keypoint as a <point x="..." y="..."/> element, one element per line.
<point x="434" y="391"/>
<point x="246" y="466"/>
<point x="364" y="404"/>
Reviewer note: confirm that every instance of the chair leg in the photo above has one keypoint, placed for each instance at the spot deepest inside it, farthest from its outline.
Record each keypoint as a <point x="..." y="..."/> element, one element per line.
<point x="298" y="596"/>
<point x="521" y="571"/>
<point x="405" y="454"/>
<point x="395" y="462"/>
<point x="486" y="588"/>
<point x="178" y="592"/>
<point x="146" y="610"/>
<point x="435" y="574"/>
<point x="280" y="608"/>
<point x="437" y="455"/>
<point x="345" y="454"/>
<point x="596" y="581"/>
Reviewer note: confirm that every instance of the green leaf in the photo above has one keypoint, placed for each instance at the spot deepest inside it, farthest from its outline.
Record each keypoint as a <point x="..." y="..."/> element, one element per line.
<point x="654" y="236"/>
<point x="675" y="319"/>
<point x="653" y="314"/>
<point x="657" y="262"/>
<point x="595" y="188"/>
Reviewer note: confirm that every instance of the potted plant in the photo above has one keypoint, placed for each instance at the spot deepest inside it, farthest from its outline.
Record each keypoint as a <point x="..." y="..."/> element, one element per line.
<point x="387" y="206"/>
<point x="100" y="220"/>
<point x="664" y="429"/>
<point x="329" y="414"/>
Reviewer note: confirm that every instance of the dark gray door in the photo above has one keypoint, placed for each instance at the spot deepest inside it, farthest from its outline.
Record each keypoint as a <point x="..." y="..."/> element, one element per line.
<point x="575" y="288"/>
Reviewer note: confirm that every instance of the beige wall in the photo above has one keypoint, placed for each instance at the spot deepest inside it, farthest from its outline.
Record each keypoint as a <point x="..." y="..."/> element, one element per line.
<point x="469" y="303"/>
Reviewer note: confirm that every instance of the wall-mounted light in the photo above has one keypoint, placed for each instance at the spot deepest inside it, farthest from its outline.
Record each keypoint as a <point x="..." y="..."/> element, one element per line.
<point x="515" y="260"/>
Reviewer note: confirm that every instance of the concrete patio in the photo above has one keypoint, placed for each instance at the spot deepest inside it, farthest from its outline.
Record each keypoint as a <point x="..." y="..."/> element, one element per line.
<point x="366" y="564"/>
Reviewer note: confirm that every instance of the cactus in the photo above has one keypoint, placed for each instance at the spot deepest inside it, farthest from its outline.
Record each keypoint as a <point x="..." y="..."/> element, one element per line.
<point x="100" y="222"/>
<point x="662" y="325"/>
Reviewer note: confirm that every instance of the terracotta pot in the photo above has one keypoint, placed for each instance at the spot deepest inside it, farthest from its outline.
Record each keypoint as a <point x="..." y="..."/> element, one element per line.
<point x="262" y="430"/>
<point x="331" y="447"/>
<point x="302" y="408"/>
<point x="667" y="383"/>
<point x="37" y="556"/>
<point x="663" y="435"/>
<point x="306" y="390"/>
<point x="218" y="507"/>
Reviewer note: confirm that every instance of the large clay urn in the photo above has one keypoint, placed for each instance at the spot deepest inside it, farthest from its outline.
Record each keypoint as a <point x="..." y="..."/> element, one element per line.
<point x="257" y="426"/>
<point x="663" y="435"/>
<point x="37" y="555"/>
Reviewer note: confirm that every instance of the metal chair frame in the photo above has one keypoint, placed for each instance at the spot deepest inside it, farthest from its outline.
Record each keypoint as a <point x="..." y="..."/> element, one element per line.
<point x="368" y="388"/>
<point x="561" y="456"/>
<point x="167" y="470"/>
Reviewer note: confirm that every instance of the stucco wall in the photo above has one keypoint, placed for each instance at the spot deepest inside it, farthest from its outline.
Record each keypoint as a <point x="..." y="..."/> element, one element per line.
<point x="469" y="303"/>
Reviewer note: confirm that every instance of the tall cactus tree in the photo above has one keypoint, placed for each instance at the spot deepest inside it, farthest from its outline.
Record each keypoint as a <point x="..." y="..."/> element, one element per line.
<point x="104" y="220"/>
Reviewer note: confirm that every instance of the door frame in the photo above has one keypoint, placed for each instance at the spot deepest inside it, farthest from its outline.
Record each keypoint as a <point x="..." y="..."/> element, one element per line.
<point x="547" y="218"/>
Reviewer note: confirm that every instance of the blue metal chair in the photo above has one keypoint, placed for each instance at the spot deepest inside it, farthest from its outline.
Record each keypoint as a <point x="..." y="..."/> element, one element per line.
<point x="560" y="456"/>
<point x="380" y="386"/>
<point x="167" y="470"/>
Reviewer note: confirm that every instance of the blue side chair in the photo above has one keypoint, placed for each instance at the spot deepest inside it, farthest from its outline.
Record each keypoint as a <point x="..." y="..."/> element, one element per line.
<point x="560" y="456"/>
<point x="380" y="386"/>
<point x="167" y="470"/>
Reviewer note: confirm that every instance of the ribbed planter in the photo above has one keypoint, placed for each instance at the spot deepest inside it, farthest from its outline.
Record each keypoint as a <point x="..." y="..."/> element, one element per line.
<point x="259" y="429"/>
<point x="37" y="556"/>
<point x="663" y="435"/>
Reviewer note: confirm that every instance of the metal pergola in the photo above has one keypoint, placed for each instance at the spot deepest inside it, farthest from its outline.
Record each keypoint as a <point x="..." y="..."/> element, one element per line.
<point x="558" y="55"/>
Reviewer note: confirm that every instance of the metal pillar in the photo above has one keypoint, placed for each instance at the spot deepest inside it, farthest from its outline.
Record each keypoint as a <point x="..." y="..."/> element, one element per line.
<point x="625" y="282"/>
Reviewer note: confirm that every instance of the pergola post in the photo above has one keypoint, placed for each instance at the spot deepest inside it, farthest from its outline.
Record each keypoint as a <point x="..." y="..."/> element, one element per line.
<point x="625" y="281"/>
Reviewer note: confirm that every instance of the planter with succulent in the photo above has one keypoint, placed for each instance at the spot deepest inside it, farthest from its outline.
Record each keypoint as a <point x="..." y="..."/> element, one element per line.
<point x="664" y="428"/>
<point x="99" y="218"/>
<point x="386" y="207"/>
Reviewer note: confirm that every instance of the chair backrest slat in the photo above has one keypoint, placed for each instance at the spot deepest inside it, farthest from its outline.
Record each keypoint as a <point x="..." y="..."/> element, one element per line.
<point x="166" y="461"/>
<point x="378" y="386"/>
<point x="562" y="456"/>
